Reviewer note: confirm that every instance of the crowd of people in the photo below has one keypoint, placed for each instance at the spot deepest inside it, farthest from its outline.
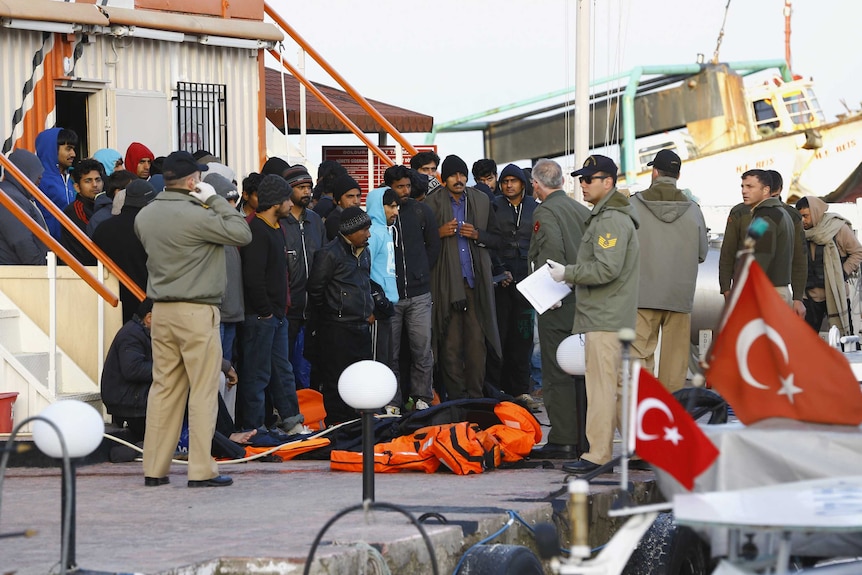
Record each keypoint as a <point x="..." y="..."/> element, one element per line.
<point x="284" y="281"/>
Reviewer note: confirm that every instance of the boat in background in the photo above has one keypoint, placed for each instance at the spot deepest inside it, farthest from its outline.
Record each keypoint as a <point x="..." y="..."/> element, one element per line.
<point x="774" y="125"/>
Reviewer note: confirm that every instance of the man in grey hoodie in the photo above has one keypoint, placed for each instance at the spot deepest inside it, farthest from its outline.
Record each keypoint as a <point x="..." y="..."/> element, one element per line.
<point x="18" y="245"/>
<point x="672" y="237"/>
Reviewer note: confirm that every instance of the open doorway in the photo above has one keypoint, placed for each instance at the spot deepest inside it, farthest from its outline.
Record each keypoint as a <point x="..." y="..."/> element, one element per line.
<point x="72" y="115"/>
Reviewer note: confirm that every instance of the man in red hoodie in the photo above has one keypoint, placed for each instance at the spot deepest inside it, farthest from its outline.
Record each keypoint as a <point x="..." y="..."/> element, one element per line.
<point x="138" y="160"/>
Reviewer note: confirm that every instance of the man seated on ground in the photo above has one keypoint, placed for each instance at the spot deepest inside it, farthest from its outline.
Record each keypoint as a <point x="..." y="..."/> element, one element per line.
<point x="128" y="375"/>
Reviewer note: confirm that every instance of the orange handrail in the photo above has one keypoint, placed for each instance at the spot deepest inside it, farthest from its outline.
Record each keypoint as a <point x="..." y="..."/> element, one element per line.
<point x="334" y="109"/>
<point x="366" y="105"/>
<point x="55" y="246"/>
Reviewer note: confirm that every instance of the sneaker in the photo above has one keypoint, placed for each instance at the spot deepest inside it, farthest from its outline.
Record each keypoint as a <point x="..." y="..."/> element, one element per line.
<point x="421" y="404"/>
<point x="299" y="429"/>
<point x="392" y="410"/>
<point x="529" y="402"/>
<point x="290" y="422"/>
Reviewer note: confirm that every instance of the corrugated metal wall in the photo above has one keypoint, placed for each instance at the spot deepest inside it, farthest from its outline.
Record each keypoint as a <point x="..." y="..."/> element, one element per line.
<point x="18" y="53"/>
<point x="130" y="65"/>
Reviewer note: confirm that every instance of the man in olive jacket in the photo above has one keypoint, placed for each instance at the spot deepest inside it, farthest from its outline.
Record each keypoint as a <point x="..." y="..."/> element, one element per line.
<point x="606" y="277"/>
<point x="184" y="231"/>
<point x="559" y="223"/>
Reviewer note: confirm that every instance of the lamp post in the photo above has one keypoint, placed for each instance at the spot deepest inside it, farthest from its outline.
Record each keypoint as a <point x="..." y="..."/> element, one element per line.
<point x="367" y="386"/>
<point x="68" y="429"/>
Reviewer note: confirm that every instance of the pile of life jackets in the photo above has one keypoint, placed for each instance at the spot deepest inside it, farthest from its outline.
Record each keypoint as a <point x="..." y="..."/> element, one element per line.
<point x="464" y="447"/>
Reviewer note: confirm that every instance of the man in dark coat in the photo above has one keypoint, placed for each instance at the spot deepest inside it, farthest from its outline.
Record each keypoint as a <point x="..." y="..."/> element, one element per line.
<point x="18" y="245"/>
<point x="464" y="318"/>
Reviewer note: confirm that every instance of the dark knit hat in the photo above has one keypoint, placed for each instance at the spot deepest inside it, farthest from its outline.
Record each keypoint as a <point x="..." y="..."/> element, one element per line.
<point x="139" y="193"/>
<point x="179" y="165"/>
<point x="297" y="175"/>
<point x="341" y="185"/>
<point x="453" y="165"/>
<point x="271" y="191"/>
<point x="223" y="187"/>
<point x="275" y="166"/>
<point x="353" y="219"/>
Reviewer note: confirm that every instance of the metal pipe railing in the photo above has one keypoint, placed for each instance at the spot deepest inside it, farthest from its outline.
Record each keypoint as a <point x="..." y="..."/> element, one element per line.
<point x="57" y="248"/>
<point x="366" y="105"/>
<point x="334" y="109"/>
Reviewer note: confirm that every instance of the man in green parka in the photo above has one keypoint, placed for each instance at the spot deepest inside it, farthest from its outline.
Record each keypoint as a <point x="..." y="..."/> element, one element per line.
<point x="606" y="280"/>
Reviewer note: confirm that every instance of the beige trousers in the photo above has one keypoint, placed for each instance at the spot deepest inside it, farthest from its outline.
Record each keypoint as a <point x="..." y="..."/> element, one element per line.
<point x="604" y="391"/>
<point x="186" y="362"/>
<point x="675" y="330"/>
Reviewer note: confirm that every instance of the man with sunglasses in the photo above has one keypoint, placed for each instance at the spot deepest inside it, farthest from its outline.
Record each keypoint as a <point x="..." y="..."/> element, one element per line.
<point x="606" y="297"/>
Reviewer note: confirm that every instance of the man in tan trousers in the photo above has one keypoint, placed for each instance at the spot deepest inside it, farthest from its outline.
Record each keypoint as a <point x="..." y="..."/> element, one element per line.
<point x="184" y="231"/>
<point x="673" y="242"/>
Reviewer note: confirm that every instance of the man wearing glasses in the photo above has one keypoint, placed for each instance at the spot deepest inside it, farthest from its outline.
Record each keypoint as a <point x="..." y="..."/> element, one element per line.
<point x="606" y="280"/>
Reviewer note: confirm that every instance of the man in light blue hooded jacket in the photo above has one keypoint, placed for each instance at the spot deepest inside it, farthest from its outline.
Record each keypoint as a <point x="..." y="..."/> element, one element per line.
<point x="382" y="206"/>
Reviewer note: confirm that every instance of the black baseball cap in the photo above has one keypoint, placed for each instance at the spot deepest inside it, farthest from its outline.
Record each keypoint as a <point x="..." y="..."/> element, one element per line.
<point x="181" y="164"/>
<point x="595" y="164"/>
<point x="666" y="161"/>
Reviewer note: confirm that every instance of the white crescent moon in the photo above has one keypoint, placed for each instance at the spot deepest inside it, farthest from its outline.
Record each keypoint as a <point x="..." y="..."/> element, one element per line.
<point x="643" y="407"/>
<point x="749" y="334"/>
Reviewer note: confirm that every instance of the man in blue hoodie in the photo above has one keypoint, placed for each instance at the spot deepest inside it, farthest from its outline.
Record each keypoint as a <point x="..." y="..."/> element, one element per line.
<point x="382" y="206"/>
<point x="56" y="148"/>
<point x="18" y="245"/>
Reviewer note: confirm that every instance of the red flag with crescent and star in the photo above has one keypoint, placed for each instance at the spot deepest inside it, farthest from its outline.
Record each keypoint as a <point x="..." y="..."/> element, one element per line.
<point x="666" y="435"/>
<point x="767" y="362"/>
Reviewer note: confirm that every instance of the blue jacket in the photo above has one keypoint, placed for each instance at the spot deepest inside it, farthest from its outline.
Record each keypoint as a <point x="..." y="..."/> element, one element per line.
<point x="380" y="246"/>
<point x="59" y="187"/>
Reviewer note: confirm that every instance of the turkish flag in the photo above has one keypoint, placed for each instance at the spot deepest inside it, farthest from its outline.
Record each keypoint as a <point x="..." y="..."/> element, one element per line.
<point x="666" y="435"/>
<point x="767" y="362"/>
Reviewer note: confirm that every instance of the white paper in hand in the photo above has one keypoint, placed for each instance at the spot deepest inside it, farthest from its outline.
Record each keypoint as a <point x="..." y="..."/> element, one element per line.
<point x="541" y="290"/>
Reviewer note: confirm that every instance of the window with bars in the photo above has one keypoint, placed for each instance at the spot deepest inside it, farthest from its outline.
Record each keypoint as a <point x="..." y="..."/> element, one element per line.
<point x="201" y="118"/>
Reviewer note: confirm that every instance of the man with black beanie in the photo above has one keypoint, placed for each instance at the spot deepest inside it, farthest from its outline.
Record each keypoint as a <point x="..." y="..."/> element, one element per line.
<point x="339" y="292"/>
<point x="346" y="193"/>
<point x="463" y="316"/>
<point x="264" y="330"/>
<point x="304" y="235"/>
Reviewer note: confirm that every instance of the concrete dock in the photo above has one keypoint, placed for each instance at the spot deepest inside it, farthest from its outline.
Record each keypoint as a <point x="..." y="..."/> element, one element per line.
<point x="267" y="521"/>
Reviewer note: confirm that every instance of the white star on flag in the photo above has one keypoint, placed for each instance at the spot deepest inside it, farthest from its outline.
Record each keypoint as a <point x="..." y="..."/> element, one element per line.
<point x="672" y="434"/>
<point x="787" y="387"/>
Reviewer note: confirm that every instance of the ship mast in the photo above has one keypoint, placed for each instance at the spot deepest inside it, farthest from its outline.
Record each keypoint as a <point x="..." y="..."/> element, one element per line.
<point x="788" y="11"/>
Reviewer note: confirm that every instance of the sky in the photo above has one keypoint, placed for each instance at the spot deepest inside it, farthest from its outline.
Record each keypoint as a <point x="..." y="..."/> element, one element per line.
<point x="453" y="58"/>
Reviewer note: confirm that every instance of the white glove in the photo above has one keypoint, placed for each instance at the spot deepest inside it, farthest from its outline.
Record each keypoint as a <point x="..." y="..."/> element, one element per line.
<point x="557" y="305"/>
<point x="557" y="270"/>
<point x="203" y="191"/>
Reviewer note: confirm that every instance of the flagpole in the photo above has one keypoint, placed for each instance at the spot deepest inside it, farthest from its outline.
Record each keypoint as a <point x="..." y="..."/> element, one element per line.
<point x="744" y="257"/>
<point x="626" y="337"/>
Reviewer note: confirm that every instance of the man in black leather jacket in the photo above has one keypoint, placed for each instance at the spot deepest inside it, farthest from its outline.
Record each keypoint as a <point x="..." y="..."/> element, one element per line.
<point x="339" y="294"/>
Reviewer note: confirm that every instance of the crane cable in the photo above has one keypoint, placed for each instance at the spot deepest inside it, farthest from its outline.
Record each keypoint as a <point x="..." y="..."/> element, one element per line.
<point x="720" y="34"/>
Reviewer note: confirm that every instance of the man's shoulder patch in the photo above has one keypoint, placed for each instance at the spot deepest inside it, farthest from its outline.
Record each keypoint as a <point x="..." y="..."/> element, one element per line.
<point x="607" y="241"/>
<point x="536" y="226"/>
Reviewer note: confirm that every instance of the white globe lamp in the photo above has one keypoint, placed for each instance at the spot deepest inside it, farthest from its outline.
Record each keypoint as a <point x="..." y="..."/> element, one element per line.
<point x="571" y="355"/>
<point x="367" y="385"/>
<point x="81" y="426"/>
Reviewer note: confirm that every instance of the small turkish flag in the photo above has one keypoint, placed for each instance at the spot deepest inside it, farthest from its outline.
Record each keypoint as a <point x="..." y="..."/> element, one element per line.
<point x="666" y="435"/>
<point x="767" y="362"/>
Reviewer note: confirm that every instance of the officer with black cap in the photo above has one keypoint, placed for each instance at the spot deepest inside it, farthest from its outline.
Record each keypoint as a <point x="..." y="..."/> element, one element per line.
<point x="606" y="280"/>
